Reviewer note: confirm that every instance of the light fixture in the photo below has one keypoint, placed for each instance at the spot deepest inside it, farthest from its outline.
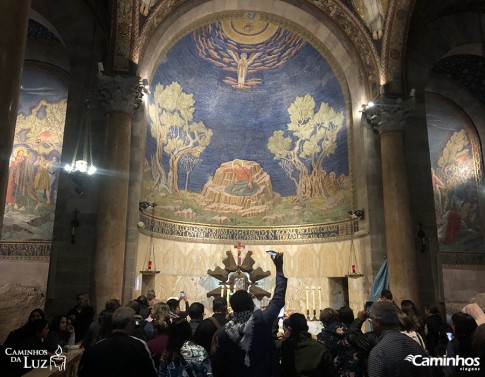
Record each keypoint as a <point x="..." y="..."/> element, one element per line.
<point x="150" y="260"/>
<point x="74" y="224"/>
<point x="82" y="164"/>
<point x="144" y="205"/>
<point x="387" y="107"/>
<point x="353" y="271"/>
<point x="357" y="214"/>
<point x="422" y="237"/>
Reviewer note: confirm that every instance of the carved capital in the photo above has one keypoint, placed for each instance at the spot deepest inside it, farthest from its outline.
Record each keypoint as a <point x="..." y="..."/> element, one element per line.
<point x="389" y="114"/>
<point x="120" y="93"/>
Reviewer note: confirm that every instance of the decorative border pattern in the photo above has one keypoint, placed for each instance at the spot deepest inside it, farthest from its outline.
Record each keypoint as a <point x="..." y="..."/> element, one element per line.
<point x="26" y="250"/>
<point x="168" y="229"/>
<point x="359" y="35"/>
<point x="462" y="259"/>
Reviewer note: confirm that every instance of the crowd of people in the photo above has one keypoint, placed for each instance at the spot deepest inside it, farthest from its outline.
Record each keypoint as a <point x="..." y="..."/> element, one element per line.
<point x="149" y="337"/>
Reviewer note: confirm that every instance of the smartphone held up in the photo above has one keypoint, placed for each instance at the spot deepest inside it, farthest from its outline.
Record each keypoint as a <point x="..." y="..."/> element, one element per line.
<point x="368" y="305"/>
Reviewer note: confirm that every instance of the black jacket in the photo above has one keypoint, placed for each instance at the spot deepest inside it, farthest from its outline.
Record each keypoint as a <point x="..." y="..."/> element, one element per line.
<point x="363" y="341"/>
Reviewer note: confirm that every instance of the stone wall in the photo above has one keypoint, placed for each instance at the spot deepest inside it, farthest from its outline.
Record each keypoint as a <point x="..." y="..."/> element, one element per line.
<point x="462" y="285"/>
<point x="16" y="303"/>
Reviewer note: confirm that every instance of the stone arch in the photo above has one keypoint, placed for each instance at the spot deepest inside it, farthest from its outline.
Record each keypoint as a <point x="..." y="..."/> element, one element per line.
<point x="462" y="98"/>
<point x="439" y="38"/>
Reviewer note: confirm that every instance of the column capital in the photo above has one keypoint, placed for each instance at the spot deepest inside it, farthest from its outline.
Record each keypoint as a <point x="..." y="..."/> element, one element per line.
<point x="119" y="93"/>
<point x="389" y="114"/>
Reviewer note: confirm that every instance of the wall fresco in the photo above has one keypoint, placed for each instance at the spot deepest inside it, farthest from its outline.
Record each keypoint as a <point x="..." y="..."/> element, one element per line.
<point x="247" y="127"/>
<point x="456" y="176"/>
<point x="35" y="160"/>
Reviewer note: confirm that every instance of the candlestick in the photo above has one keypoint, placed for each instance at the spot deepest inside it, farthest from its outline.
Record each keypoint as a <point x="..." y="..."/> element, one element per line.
<point x="319" y="298"/>
<point x="307" y="305"/>
<point x="313" y="298"/>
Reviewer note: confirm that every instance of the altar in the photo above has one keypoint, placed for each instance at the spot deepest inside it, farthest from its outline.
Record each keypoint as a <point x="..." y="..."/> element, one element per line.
<point x="314" y="327"/>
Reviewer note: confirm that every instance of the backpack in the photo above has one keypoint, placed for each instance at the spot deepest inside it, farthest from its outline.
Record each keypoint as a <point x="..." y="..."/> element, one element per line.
<point x="213" y="347"/>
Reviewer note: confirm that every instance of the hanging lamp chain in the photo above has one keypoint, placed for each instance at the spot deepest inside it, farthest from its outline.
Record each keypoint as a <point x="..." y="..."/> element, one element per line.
<point x="85" y="126"/>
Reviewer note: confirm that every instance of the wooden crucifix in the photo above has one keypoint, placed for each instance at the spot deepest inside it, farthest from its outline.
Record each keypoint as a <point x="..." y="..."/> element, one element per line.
<point x="239" y="245"/>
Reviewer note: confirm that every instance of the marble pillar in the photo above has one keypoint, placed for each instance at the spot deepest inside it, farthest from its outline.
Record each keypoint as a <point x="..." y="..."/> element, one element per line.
<point x="14" y="18"/>
<point x="401" y="250"/>
<point x="119" y="96"/>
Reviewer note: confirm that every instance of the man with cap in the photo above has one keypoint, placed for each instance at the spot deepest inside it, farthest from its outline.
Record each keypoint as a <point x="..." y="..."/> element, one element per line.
<point x="245" y="345"/>
<point x="396" y="354"/>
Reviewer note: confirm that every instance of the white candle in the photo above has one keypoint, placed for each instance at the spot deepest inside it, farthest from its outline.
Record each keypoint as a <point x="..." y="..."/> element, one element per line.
<point x="319" y="298"/>
<point x="222" y="291"/>
<point x="313" y="298"/>
<point x="227" y="292"/>
<point x="307" y="306"/>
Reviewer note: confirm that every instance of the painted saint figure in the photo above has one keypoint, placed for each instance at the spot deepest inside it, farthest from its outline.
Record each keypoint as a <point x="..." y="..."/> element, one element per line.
<point x="242" y="66"/>
<point x="10" y="198"/>
<point x="24" y="182"/>
<point x="53" y="168"/>
<point x="41" y="179"/>
<point x="244" y="181"/>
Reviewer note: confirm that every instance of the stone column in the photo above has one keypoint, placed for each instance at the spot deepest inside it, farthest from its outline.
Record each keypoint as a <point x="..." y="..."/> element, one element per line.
<point x="401" y="251"/>
<point x="14" y="18"/>
<point x="119" y="96"/>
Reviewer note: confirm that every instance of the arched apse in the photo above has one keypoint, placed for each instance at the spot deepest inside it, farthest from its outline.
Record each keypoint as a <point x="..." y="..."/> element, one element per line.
<point x="456" y="163"/>
<point x="251" y="95"/>
<point x="434" y="62"/>
<point x="341" y="56"/>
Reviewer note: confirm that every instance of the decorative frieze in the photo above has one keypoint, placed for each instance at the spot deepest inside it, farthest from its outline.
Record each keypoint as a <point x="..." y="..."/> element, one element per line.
<point x="162" y="228"/>
<point x="463" y="259"/>
<point x="26" y="250"/>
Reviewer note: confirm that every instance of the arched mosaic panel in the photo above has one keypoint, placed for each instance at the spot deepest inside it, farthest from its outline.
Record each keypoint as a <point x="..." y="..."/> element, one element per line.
<point x="247" y="134"/>
<point x="456" y="164"/>
<point x="35" y="160"/>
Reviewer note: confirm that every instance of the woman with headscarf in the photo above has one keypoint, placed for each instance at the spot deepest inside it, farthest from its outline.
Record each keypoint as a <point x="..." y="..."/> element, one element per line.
<point x="183" y="358"/>
<point x="347" y="358"/>
<point x="476" y="312"/>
